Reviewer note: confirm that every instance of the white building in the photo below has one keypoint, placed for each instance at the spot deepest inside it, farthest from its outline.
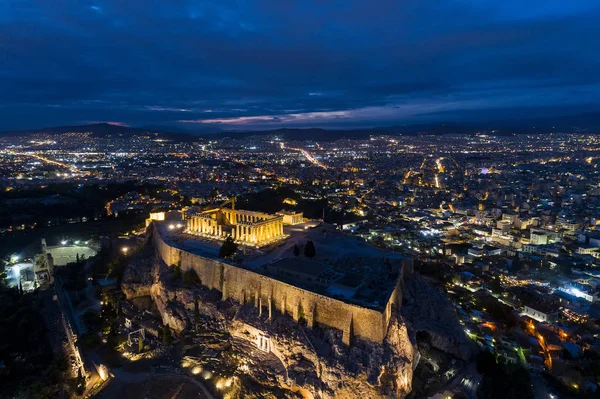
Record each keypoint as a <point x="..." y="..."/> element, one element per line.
<point x="541" y="314"/>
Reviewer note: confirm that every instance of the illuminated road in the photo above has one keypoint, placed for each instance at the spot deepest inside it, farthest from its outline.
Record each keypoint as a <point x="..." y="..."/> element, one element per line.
<point x="46" y="160"/>
<point x="306" y="155"/>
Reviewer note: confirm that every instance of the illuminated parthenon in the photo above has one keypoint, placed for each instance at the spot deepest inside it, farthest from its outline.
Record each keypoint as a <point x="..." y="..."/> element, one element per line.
<point x="245" y="227"/>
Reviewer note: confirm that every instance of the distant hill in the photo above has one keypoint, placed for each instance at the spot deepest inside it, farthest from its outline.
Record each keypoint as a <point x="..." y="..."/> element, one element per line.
<point x="103" y="130"/>
<point x="581" y="123"/>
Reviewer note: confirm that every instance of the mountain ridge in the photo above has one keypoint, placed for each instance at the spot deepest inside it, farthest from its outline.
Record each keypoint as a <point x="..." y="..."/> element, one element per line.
<point x="581" y="123"/>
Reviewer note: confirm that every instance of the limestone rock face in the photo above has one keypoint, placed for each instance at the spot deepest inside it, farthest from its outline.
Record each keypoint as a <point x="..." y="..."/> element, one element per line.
<point x="426" y="310"/>
<point x="138" y="277"/>
<point x="147" y="275"/>
<point x="167" y="305"/>
<point x="316" y="360"/>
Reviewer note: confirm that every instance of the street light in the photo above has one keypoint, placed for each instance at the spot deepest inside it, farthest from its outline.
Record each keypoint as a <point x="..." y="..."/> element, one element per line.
<point x="125" y="249"/>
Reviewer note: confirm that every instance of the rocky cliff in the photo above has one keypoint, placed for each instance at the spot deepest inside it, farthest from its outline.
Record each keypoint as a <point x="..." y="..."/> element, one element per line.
<point x="428" y="312"/>
<point x="317" y="361"/>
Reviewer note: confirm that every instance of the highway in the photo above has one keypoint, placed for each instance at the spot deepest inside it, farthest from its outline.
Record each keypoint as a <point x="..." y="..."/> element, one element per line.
<point x="306" y="155"/>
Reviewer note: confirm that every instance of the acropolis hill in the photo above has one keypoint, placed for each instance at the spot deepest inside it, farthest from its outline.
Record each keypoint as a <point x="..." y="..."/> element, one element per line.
<point x="345" y="303"/>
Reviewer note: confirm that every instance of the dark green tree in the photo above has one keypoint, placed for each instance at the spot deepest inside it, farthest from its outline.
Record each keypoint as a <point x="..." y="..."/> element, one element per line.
<point x="177" y="271"/>
<point x="309" y="249"/>
<point x="166" y="335"/>
<point x="196" y="315"/>
<point x="296" y="250"/>
<point x="228" y="249"/>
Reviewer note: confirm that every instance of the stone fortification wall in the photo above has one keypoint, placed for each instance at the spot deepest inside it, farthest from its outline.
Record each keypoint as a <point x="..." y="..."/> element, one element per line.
<point x="271" y="296"/>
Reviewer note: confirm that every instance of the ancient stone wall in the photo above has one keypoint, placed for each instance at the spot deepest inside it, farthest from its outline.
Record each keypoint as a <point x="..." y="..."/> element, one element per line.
<point x="273" y="296"/>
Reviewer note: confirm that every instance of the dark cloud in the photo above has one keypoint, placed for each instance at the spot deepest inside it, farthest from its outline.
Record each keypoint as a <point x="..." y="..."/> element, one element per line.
<point x="297" y="62"/>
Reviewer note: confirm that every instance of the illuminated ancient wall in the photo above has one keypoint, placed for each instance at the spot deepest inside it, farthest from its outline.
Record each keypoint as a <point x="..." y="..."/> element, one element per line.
<point x="246" y="286"/>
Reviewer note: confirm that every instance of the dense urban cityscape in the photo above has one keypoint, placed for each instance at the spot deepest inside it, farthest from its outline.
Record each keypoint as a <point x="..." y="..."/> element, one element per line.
<point x="480" y="253"/>
<point x="299" y="199"/>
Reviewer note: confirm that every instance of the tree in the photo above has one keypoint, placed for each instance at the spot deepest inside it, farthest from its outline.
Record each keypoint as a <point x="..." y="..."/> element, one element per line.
<point x="196" y="315"/>
<point x="77" y="258"/>
<point x="228" y="249"/>
<point x="495" y="376"/>
<point x="309" y="249"/>
<point x="296" y="250"/>
<point x="166" y="335"/>
<point x="177" y="270"/>
<point x="140" y="345"/>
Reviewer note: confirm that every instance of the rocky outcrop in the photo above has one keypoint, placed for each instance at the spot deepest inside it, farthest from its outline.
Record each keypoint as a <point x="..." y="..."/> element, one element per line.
<point x="430" y="315"/>
<point x="138" y="276"/>
<point x="316" y="360"/>
<point x="148" y="275"/>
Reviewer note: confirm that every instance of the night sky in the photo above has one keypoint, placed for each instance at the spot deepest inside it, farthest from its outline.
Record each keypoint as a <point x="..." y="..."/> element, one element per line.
<point x="268" y="64"/>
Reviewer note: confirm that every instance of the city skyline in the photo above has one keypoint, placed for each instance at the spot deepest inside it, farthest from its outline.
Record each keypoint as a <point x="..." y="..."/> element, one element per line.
<point x="233" y="66"/>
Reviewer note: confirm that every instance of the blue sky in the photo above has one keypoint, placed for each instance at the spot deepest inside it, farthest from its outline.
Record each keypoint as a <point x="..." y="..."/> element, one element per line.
<point x="268" y="64"/>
